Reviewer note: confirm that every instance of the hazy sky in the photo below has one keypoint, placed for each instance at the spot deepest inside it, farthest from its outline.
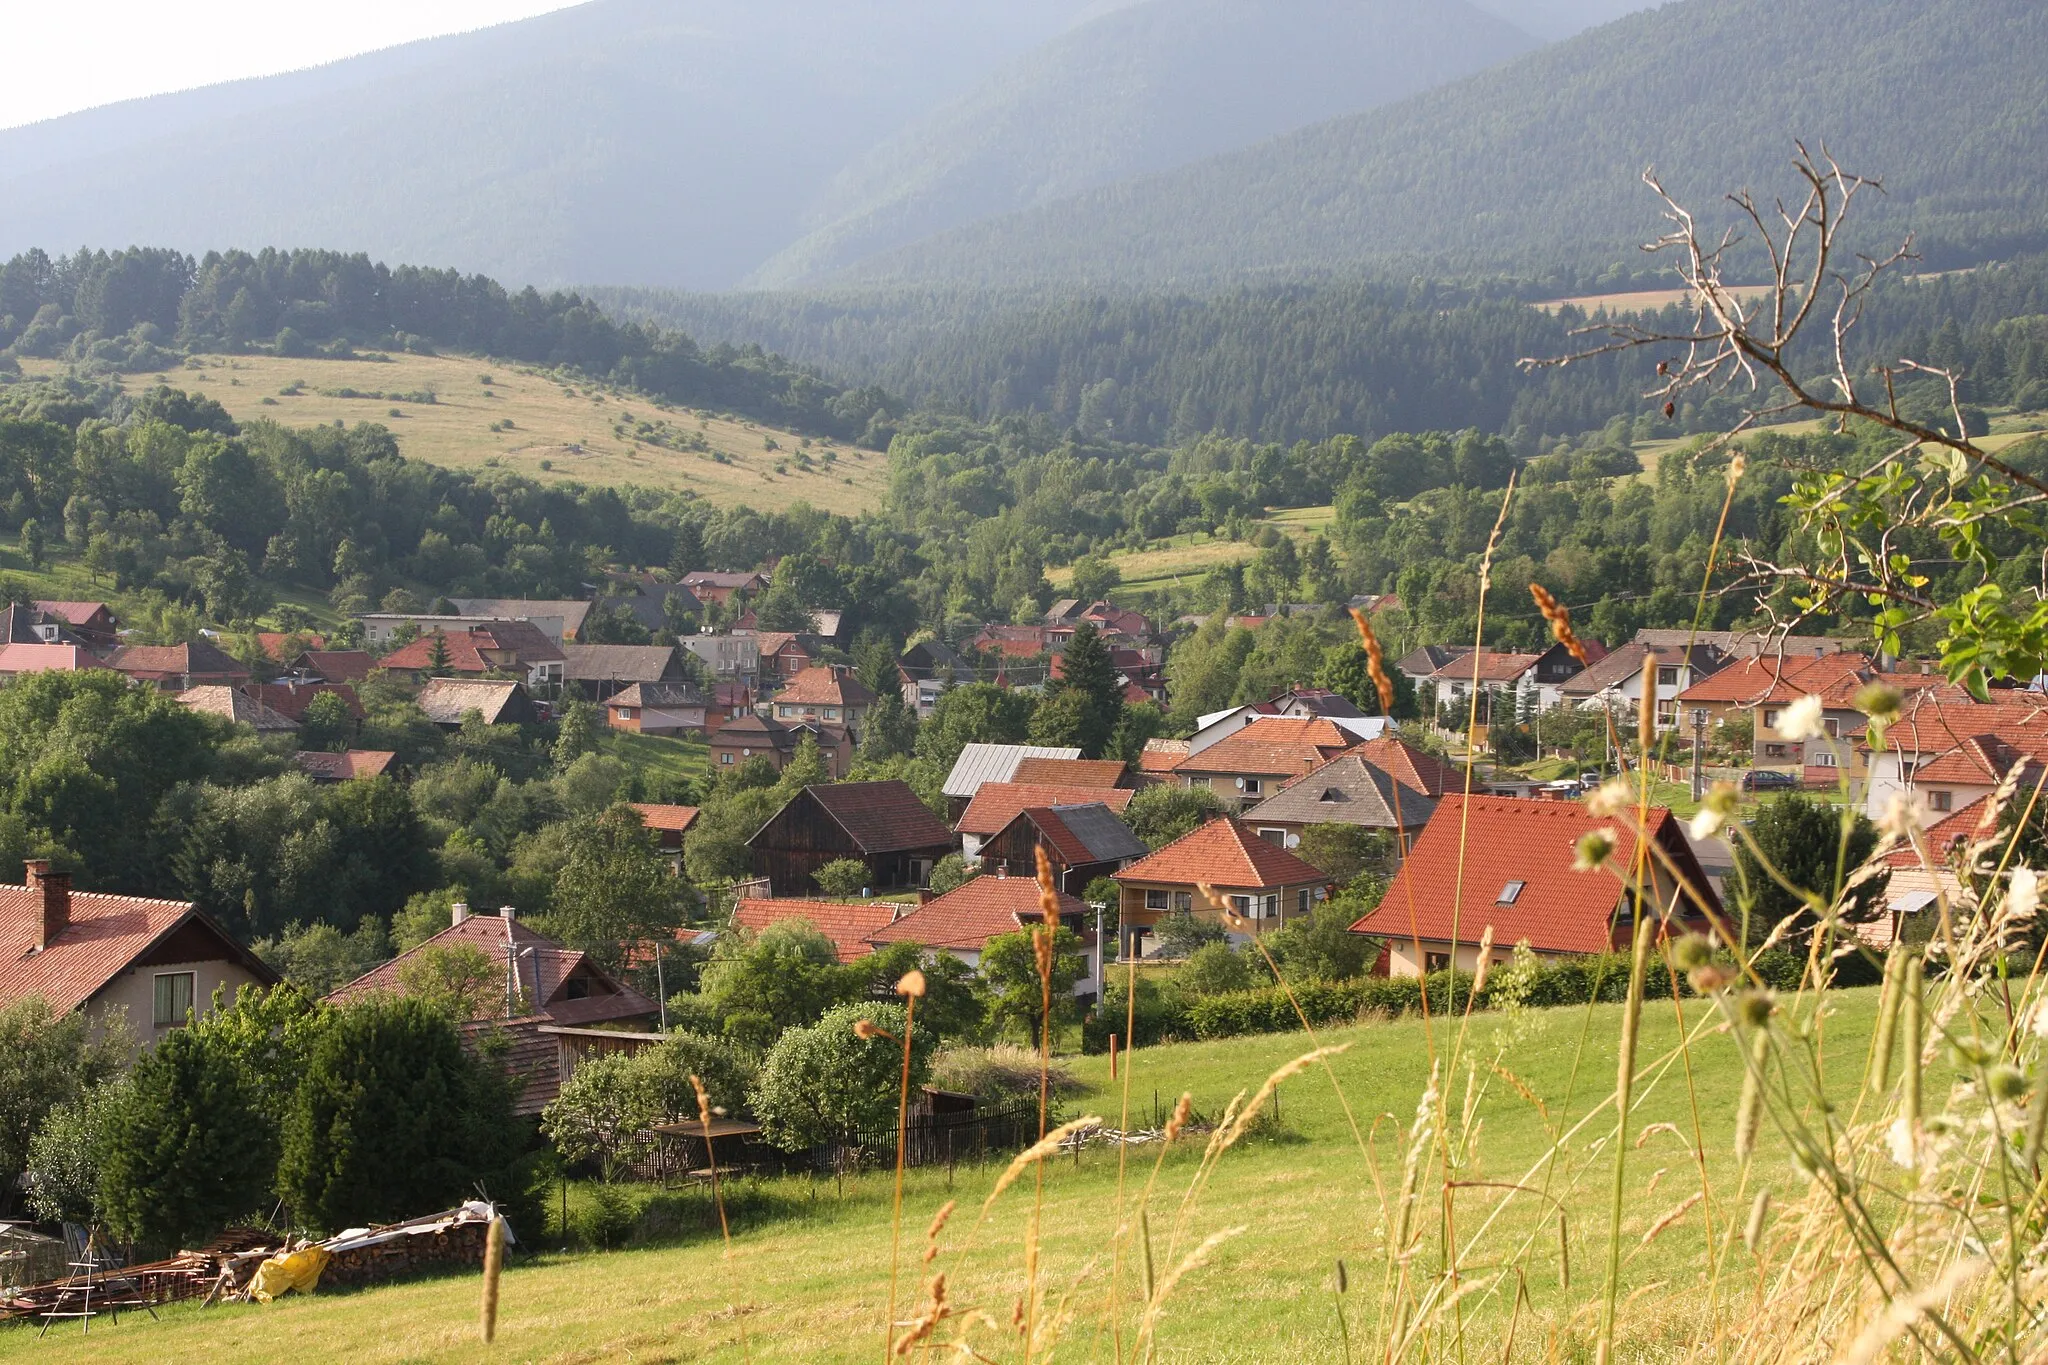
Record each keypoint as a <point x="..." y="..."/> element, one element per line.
<point x="74" y="54"/>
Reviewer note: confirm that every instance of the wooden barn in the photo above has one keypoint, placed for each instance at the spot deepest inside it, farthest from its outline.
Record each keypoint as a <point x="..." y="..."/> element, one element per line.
<point x="882" y="824"/>
<point x="1082" y="842"/>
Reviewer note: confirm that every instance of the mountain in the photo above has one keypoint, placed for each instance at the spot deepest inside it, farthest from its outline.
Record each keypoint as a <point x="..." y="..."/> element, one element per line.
<point x="1551" y="20"/>
<point x="654" y="141"/>
<point x="1534" y="165"/>
<point x="1143" y="89"/>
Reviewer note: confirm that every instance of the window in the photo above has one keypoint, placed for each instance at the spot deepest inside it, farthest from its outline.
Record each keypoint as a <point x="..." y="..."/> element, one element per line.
<point x="1242" y="905"/>
<point x="1667" y="714"/>
<point x="1825" y="758"/>
<point x="1184" y="901"/>
<point x="1941" y="800"/>
<point x="725" y="758"/>
<point x="575" y="988"/>
<point x="1272" y="909"/>
<point x="626" y="713"/>
<point x="1155" y="900"/>
<point x="1510" y="893"/>
<point x="1435" y="962"/>
<point x="1276" y="837"/>
<point x="785" y="712"/>
<point x="1771" y="719"/>
<point x="1833" y="726"/>
<point x="1906" y="767"/>
<point x="831" y="713"/>
<point x="174" y="991"/>
<point x="1251" y="786"/>
<point x="1667" y="675"/>
<point x="1303" y="897"/>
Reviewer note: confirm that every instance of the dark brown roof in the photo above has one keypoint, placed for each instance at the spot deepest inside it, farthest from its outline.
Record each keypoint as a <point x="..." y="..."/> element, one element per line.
<point x="199" y="657"/>
<point x="881" y="817"/>
<point x="618" y="663"/>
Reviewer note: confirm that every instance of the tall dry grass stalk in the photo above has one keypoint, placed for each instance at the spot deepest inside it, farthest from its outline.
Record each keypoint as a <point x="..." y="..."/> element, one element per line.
<point x="494" y="1267"/>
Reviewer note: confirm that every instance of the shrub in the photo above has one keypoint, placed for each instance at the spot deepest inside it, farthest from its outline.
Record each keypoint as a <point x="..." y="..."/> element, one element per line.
<point x="826" y="1081"/>
<point x="187" y="1148"/>
<point x="46" y="1059"/>
<point x="1214" y="969"/>
<point x="67" y="1153"/>
<point x="609" y="1101"/>
<point x="843" y="877"/>
<point x="1001" y="1074"/>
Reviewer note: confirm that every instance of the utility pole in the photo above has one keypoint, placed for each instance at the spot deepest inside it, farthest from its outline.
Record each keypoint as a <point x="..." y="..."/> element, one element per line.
<point x="1699" y="752"/>
<point x="661" y="987"/>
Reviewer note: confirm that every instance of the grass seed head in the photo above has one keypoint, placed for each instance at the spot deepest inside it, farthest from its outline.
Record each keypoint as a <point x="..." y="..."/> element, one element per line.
<point x="1691" y="952"/>
<point x="1560" y="618"/>
<point x="912" y="984"/>
<point x="1756" y="1007"/>
<point x="1593" y="850"/>
<point x="1375" y="662"/>
<point x="1183" y="1109"/>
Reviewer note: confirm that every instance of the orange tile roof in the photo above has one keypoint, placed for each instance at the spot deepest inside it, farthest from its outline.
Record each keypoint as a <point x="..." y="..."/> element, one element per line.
<point x="1162" y="759"/>
<point x="1277" y="745"/>
<point x="1505" y="840"/>
<point x="968" y="916"/>
<point x="1768" y="678"/>
<point x="1493" y="666"/>
<point x="1943" y="835"/>
<point x="340" y="665"/>
<point x="677" y="818"/>
<point x="847" y="923"/>
<point x="466" y="648"/>
<point x="21" y="657"/>
<point x="105" y="934"/>
<point x="1223" y="853"/>
<point x="1070" y="772"/>
<point x="996" y="804"/>
<point x="824" y="687"/>
<point x="544" y="967"/>
<point x="291" y="699"/>
<point x="1411" y="766"/>
<point x="346" y="766"/>
<point x="273" y="642"/>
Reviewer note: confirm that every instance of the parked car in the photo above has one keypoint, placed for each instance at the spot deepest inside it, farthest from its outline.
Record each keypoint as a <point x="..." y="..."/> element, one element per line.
<point x="1769" y="780"/>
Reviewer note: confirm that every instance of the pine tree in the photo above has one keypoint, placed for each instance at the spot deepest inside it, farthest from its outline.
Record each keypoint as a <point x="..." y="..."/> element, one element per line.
<point x="187" y="1147"/>
<point x="437" y="654"/>
<point x="1086" y="668"/>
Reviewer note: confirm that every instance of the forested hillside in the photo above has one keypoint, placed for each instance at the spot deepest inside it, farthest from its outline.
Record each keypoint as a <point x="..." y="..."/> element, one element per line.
<point x="1304" y="363"/>
<point x="1143" y="89"/>
<point x="1534" y="165"/>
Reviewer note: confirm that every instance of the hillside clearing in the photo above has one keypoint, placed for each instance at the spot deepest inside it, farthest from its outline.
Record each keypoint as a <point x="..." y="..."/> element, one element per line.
<point x="553" y="427"/>
<point x="1178" y="561"/>
<point x="810" y="1266"/>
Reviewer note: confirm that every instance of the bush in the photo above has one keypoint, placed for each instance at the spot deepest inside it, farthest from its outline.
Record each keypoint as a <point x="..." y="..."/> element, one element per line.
<point x="1214" y="969"/>
<point x="827" y="1082"/>
<point x="843" y="877"/>
<point x="727" y="1071"/>
<point x="187" y="1149"/>
<point x="67" y="1152"/>
<point x="602" y="1108"/>
<point x="1181" y="934"/>
<point x="1000" y="1075"/>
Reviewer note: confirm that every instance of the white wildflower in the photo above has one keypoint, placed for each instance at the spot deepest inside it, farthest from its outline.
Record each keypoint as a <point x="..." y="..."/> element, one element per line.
<point x="1714" y="811"/>
<point x="1801" y="721"/>
<point x="2039" y="1022"/>
<point x="1614" y="797"/>
<point x="1905" y="817"/>
<point x="1903" y="1143"/>
<point x="2023" y="895"/>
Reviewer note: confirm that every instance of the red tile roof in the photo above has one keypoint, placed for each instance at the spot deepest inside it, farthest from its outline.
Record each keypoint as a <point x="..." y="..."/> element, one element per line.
<point x="345" y="767"/>
<point x="1767" y="678"/>
<point x="996" y="804"/>
<point x="291" y="699"/>
<point x="105" y="934"/>
<point x="1943" y="835"/>
<point x="1411" y="766"/>
<point x="1224" y="853"/>
<point x="1493" y="666"/>
<point x="1168" y="755"/>
<point x="1275" y="745"/>
<point x="968" y="916"/>
<point x="1506" y="840"/>
<point x="28" y="658"/>
<point x="340" y="665"/>
<point x="1012" y="642"/>
<point x="1070" y="772"/>
<point x="175" y="661"/>
<point x="229" y="703"/>
<point x="824" y="687"/>
<point x="677" y="818"/>
<point x="847" y="923"/>
<point x="74" y="613"/>
<point x="519" y="642"/>
<point x="272" y="642"/>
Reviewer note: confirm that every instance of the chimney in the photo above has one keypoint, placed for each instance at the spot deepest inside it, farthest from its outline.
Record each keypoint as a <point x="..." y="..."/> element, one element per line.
<point x="459" y="911"/>
<point x="508" y="913"/>
<point x="56" y="889"/>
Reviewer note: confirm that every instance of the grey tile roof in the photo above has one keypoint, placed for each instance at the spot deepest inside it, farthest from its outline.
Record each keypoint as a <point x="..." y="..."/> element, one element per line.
<point x="1098" y="829"/>
<point x="1345" y="791"/>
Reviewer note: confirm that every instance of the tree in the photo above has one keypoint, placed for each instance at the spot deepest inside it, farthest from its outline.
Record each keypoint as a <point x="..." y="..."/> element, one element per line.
<point x="437" y="653"/>
<point x="843" y="877"/>
<point x="1214" y="969"/>
<point x="46" y="1060"/>
<point x="32" y="545"/>
<point x="616" y="888"/>
<point x="1811" y="845"/>
<point x="827" y="1081"/>
<point x="187" y="1149"/>
<point x="1087" y="672"/>
<point x="393" y="1115"/>
<point x="726" y="1070"/>
<point x="891" y="730"/>
<point x="760" y="984"/>
<point x="576" y="732"/>
<point x="1093" y="578"/>
<point x="457" y="980"/>
<point x="1009" y="967"/>
<point x="973" y="713"/>
<point x="66" y="1155"/>
<point x="326" y="723"/>
<point x="954" y="1006"/>
<point x="1345" y="671"/>
<point x="1161" y="814"/>
<point x="600" y="1110"/>
<point x="806" y="768"/>
<point x="1182" y="933"/>
<point x="319" y="957"/>
<point x="950" y="873"/>
<point x="1341" y="852"/>
<point x="1322" y="947"/>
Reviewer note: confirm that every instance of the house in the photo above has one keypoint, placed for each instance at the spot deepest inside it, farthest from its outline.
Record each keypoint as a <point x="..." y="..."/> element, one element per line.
<point x="560" y="985"/>
<point x="1953" y="756"/>
<point x="1421" y="665"/>
<point x="283" y="646"/>
<point x="1012" y="642"/>
<point x="1617" y="681"/>
<point x="123" y="961"/>
<point x="501" y="648"/>
<point x="1412" y="767"/>
<point x="669" y="823"/>
<point x="962" y="921"/>
<point x="1065" y="612"/>
<point x="1263" y="885"/>
<point x="232" y="704"/>
<point x="710" y="586"/>
<point x="1260" y="758"/>
<point x="657" y="708"/>
<point x="847" y="923"/>
<point x="882" y="824"/>
<point x="996" y="804"/>
<point x="979" y="764"/>
<point x="927" y="669"/>
<point x="447" y="700"/>
<point x="731" y="658"/>
<point x="93" y="623"/>
<point x="335" y="665"/>
<point x="650" y="601"/>
<point x="830" y="694"/>
<point x="1118" y="621"/>
<point x="786" y="653"/>
<point x="749" y="736"/>
<point x="1762" y="686"/>
<point x="1159" y="759"/>
<point x="31" y="625"/>
<point x="177" y="668"/>
<point x="1073" y="772"/>
<point x="290" y="699"/>
<point x="17" y="659"/>
<point x="1743" y="644"/>
<point x="560" y="621"/>
<point x="1348" y="790"/>
<point x="345" y="766"/>
<point x="727" y="700"/>
<point x="602" y="671"/>
<point x="1218" y="726"/>
<point x="1081" y="842"/>
<point x="1513" y="861"/>
<point x="1503" y="678"/>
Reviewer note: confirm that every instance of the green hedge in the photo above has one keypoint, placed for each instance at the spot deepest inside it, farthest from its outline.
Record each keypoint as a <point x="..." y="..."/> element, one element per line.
<point x="1165" y="1015"/>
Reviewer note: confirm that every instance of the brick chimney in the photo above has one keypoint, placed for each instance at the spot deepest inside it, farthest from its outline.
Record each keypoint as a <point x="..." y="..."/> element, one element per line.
<point x="459" y="912"/>
<point x="56" y="891"/>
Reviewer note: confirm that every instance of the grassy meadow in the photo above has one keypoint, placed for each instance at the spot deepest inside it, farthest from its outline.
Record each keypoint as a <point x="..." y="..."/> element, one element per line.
<point x="810" y="1263"/>
<point x="542" y="425"/>
<point x="1182" y="560"/>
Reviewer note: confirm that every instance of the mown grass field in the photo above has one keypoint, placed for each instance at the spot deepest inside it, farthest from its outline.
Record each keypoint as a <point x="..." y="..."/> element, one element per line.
<point x="561" y="428"/>
<point x="809" y="1271"/>
<point x="1180" y="561"/>
<point x="659" y="756"/>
